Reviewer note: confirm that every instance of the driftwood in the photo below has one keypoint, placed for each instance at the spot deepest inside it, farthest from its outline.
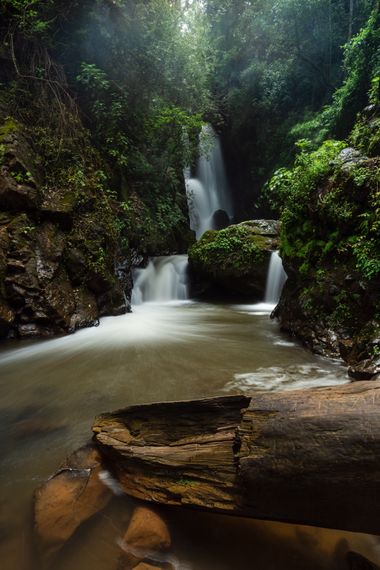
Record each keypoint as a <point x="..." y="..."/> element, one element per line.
<point x="306" y="457"/>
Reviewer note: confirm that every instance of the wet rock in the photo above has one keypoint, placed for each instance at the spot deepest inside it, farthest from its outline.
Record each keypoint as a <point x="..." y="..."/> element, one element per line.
<point x="365" y="370"/>
<point x="76" y="265"/>
<point x="356" y="561"/>
<point x="4" y="246"/>
<point x="146" y="536"/>
<point x="220" y="220"/>
<point x="264" y="227"/>
<point x="50" y="243"/>
<point x="350" y="157"/>
<point x="58" y="204"/>
<point x="73" y="495"/>
<point x="147" y="530"/>
<point x="30" y="330"/>
<point x="113" y="302"/>
<point x="59" y="297"/>
<point x="234" y="260"/>
<point x="58" y="262"/>
<point x="13" y="194"/>
<point x="86" y="310"/>
<point x="33" y="427"/>
<point x="7" y="317"/>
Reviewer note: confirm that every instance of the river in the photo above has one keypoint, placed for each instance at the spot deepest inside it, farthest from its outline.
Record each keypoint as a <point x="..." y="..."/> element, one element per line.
<point x="51" y="390"/>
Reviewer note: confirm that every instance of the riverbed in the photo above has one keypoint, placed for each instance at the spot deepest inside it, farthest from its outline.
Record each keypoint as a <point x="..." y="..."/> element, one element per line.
<point x="51" y="391"/>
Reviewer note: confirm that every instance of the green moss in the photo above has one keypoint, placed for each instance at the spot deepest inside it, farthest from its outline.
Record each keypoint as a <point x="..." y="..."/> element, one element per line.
<point x="10" y="126"/>
<point x="232" y="251"/>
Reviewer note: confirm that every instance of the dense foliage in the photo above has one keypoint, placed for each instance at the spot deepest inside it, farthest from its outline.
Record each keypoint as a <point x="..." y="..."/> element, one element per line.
<point x="279" y="63"/>
<point x="106" y="90"/>
<point x="109" y="97"/>
<point x="233" y="250"/>
<point x="330" y="204"/>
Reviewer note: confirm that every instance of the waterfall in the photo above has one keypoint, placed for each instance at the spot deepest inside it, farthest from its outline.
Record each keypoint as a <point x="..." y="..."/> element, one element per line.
<point x="164" y="279"/>
<point x="208" y="192"/>
<point x="275" y="280"/>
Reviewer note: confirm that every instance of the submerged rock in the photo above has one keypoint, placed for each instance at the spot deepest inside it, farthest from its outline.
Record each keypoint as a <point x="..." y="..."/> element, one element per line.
<point x="147" y="530"/>
<point x="234" y="260"/>
<point x="144" y="566"/>
<point x="73" y="495"/>
<point x="147" y="536"/>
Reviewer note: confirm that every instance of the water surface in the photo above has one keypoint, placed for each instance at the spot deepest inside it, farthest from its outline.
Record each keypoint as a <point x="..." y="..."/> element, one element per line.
<point x="51" y="390"/>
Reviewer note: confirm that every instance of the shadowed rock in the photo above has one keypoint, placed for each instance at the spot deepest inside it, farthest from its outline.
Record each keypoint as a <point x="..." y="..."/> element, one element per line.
<point x="73" y="495"/>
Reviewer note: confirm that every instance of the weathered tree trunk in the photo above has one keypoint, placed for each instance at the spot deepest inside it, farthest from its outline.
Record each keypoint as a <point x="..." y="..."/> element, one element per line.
<point x="307" y="457"/>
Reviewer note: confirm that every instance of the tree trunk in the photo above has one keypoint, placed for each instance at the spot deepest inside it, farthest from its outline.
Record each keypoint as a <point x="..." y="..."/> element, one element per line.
<point x="306" y="457"/>
<point x="350" y="19"/>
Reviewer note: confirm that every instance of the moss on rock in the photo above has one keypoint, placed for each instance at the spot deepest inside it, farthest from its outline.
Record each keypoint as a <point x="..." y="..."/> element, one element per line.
<point x="234" y="259"/>
<point x="330" y="245"/>
<point x="59" y="244"/>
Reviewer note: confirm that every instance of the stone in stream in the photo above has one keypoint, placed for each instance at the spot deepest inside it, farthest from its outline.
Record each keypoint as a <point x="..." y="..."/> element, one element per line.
<point x="147" y="536"/>
<point x="234" y="260"/>
<point x="70" y="497"/>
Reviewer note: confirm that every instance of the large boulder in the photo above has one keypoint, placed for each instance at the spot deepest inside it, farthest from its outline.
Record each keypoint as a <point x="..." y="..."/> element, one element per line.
<point x="234" y="260"/>
<point x="73" y="495"/>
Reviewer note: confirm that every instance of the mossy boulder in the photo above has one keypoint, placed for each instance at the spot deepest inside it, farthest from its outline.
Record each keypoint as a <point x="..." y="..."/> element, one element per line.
<point x="234" y="260"/>
<point x="330" y="246"/>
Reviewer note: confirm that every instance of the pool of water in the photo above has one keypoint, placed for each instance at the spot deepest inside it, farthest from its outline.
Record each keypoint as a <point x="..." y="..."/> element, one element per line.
<point x="50" y="392"/>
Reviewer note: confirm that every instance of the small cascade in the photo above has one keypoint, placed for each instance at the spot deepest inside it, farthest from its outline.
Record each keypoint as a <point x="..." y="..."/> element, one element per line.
<point x="275" y="280"/>
<point x="208" y="192"/>
<point x="163" y="279"/>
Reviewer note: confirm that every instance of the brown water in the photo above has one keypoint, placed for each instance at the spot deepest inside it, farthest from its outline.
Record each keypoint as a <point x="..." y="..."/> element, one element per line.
<point x="50" y="392"/>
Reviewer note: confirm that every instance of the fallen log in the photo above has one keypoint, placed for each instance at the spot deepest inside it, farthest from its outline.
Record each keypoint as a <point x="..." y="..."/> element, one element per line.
<point x="305" y="457"/>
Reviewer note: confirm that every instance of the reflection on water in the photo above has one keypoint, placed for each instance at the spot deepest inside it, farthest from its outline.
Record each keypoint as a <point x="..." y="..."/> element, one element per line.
<point x="50" y="392"/>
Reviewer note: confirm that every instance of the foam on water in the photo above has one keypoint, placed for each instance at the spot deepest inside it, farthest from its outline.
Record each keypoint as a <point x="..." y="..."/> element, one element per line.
<point x="294" y="377"/>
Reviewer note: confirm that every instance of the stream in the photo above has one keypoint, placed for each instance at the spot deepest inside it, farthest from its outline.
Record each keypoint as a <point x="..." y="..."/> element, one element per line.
<point x="51" y="390"/>
<point x="169" y="348"/>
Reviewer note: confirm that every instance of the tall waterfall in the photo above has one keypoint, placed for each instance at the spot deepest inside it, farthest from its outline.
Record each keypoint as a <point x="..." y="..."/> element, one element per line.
<point x="275" y="280"/>
<point x="208" y="192"/>
<point x="164" y="279"/>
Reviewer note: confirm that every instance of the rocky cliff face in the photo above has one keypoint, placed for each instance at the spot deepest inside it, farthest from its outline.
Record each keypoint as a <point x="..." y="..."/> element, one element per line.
<point x="59" y="266"/>
<point x="234" y="261"/>
<point x="330" y="248"/>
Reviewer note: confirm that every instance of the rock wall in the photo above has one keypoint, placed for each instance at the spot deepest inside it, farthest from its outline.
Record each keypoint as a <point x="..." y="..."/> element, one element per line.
<point x="330" y="249"/>
<point x="59" y="263"/>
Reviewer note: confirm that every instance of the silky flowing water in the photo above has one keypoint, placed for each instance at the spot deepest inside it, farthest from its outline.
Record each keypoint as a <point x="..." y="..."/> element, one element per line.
<point x="50" y="392"/>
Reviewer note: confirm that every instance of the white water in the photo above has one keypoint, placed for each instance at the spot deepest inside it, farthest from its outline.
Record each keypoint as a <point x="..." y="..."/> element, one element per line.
<point x="275" y="280"/>
<point x="164" y="279"/>
<point x="208" y="191"/>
